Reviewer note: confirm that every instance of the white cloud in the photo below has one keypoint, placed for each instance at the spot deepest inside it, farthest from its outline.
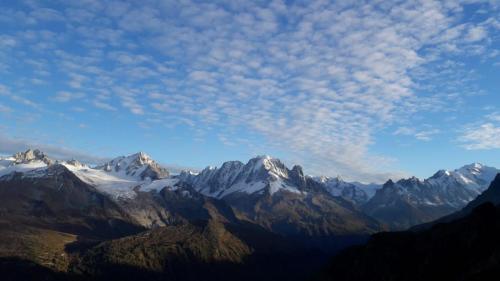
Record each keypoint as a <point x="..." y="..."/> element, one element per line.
<point x="64" y="96"/>
<point x="103" y="105"/>
<point x="6" y="92"/>
<point x="476" y="33"/>
<point x="426" y="135"/>
<point x="494" y="117"/>
<point x="5" y="109"/>
<point x="10" y="145"/>
<point x="7" y="41"/>
<point x="422" y="134"/>
<point x="482" y="135"/>
<point x="404" y="131"/>
<point x="318" y="78"/>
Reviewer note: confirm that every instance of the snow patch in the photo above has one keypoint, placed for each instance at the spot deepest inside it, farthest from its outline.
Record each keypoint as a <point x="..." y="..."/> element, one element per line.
<point x="8" y="166"/>
<point x="158" y="185"/>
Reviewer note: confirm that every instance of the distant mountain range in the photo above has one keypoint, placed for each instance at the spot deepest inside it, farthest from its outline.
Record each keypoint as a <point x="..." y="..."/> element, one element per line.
<point x="409" y="202"/>
<point x="74" y="218"/>
<point x="398" y="205"/>
<point x="463" y="246"/>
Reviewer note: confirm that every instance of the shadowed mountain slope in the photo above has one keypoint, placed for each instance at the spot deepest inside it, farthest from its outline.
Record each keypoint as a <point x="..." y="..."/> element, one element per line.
<point x="462" y="249"/>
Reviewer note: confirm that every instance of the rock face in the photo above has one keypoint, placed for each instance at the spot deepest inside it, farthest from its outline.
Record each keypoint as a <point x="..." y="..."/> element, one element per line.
<point x="310" y="217"/>
<point x="30" y="156"/>
<point x="408" y="202"/>
<point x="357" y="193"/>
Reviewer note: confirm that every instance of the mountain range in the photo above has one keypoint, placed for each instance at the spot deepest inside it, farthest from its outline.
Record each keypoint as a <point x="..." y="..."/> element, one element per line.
<point x="131" y="216"/>
<point x="462" y="246"/>
<point x="396" y="205"/>
<point x="412" y="201"/>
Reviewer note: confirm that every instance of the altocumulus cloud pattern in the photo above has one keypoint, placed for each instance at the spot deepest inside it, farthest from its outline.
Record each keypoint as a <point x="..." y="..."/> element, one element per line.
<point x="320" y="79"/>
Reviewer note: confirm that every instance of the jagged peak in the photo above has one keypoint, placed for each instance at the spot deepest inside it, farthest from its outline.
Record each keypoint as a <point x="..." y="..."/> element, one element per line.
<point x="410" y="180"/>
<point x="339" y="178"/>
<point x="476" y="168"/>
<point x="209" y="168"/>
<point x="140" y="157"/>
<point x="274" y="166"/>
<point x="260" y="160"/>
<point x="389" y="182"/>
<point x="322" y="179"/>
<point x="137" y="164"/>
<point x="264" y="160"/>
<point x="232" y="164"/>
<point x="298" y="169"/>
<point x="189" y="172"/>
<point x="440" y="173"/>
<point x="75" y="163"/>
<point x="263" y="157"/>
<point x="475" y="165"/>
<point x="31" y="155"/>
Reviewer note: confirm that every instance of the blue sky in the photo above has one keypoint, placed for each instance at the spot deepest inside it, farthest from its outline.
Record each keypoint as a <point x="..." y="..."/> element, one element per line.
<point x="367" y="90"/>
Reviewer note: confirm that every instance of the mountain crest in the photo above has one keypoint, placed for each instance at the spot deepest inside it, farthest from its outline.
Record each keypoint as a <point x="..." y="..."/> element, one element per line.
<point x="440" y="173"/>
<point x="473" y="166"/>
<point x="411" y="201"/>
<point x="75" y="163"/>
<point x="412" y="181"/>
<point x="259" y="174"/>
<point x="136" y="165"/>
<point x="265" y="164"/>
<point x="31" y="155"/>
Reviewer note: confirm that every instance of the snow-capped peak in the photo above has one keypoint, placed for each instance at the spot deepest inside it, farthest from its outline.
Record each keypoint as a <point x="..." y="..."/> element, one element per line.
<point x="445" y="188"/>
<point x="24" y="162"/>
<point x="478" y="172"/>
<point x="473" y="176"/>
<point x="138" y="165"/>
<point x="259" y="174"/>
<point x="353" y="191"/>
<point x="142" y="158"/>
<point x="31" y="155"/>
<point x="75" y="163"/>
<point x="273" y="165"/>
<point x="473" y="166"/>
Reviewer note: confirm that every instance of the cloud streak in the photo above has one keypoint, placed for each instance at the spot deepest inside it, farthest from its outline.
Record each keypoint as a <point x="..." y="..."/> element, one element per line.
<point x="9" y="146"/>
<point x="483" y="135"/>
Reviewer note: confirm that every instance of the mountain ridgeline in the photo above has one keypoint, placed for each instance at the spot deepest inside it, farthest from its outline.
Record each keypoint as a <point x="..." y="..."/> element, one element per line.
<point x="130" y="218"/>
<point x="412" y="201"/>
<point x="464" y="246"/>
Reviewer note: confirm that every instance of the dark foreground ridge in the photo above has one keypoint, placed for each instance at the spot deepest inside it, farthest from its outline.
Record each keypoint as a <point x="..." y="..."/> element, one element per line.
<point x="208" y="250"/>
<point x="463" y="249"/>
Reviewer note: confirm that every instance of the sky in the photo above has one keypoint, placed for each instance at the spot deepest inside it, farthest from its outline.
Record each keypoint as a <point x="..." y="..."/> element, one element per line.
<point x="368" y="90"/>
